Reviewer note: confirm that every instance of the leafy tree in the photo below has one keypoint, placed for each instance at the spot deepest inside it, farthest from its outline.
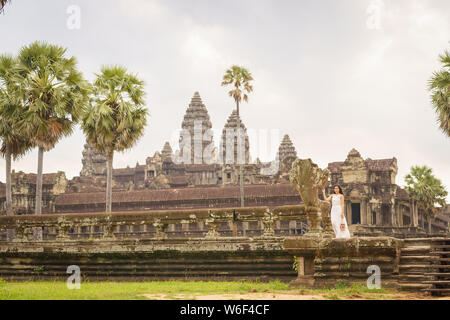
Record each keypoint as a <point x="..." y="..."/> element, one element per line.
<point x="116" y="118"/>
<point x="56" y="95"/>
<point x="439" y="86"/>
<point x="239" y="78"/>
<point x="14" y="143"/>
<point x="429" y="192"/>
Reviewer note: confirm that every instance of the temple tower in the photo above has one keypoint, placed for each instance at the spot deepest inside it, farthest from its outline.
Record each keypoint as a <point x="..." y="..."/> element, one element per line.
<point x="286" y="153"/>
<point x="228" y="135"/>
<point x="167" y="152"/>
<point x="196" y="139"/>
<point x="94" y="162"/>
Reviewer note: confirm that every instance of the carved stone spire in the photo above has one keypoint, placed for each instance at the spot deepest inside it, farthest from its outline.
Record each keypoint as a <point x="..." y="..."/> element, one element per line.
<point x="228" y="135"/>
<point x="286" y="149"/>
<point x="94" y="162"/>
<point x="196" y="134"/>
<point x="166" y="152"/>
<point x="353" y="154"/>
<point x="354" y="157"/>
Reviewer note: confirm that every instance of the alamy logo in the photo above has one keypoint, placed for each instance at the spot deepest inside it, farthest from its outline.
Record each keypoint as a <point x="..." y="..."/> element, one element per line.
<point x="74" y="281"/>
<point x="74" y="19"/>
<point x="374" y="281"/>
<point x="197" y="147"/>
<point x="374" y="10"/>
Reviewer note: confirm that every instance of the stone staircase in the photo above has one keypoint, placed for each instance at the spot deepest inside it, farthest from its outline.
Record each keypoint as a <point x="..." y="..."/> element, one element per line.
<point x="415" y="263"/>
<point x="440" y="267"/>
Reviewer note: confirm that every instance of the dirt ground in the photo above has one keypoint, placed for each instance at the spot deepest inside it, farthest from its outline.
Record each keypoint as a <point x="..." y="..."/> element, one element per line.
<point x="291" y="296"/>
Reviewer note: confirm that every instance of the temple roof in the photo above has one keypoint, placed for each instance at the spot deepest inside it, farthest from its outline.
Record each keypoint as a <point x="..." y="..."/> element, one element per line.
<point x="47" y="178"/>
<point x="286" y="149"/>
<point x="232" y="122"/>
<point x="381" y="165"/>
<point x="401" y="194"/>
<point x="123" y="172"/>
<point x="200" y="167"/>
<point x="196" y="112"/>
<point x="373" y="165"/>
<point x="354" y="154"/>
<point x="196" y="122"/>
<point x="167" y="151"/>
<point x="178" y="180"/>
<point x="251" y="191"/>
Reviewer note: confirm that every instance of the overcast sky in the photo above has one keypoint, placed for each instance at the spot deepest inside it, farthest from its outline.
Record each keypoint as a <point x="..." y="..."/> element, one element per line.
<point x="333" y="74"/>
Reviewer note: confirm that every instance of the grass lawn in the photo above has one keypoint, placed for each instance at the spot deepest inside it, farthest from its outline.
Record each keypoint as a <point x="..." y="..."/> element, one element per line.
<point x="48" y="290"/>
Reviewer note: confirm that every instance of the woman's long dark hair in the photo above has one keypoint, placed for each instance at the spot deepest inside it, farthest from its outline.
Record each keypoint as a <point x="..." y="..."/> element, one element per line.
<point x="340" y="189"/>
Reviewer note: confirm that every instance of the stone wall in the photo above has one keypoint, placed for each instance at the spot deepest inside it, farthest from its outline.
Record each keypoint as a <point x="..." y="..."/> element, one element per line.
<point x="138" y="260"/>
<point x="112" y="253"/>
<point x="327" y="262"/>
<point x="115" y="255"/>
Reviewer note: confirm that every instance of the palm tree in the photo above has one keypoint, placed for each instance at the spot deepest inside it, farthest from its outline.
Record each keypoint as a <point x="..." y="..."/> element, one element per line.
<point x="56" y="96"/>
<point x="3" y="4"/>
<point x="239" y="78"/>
<point x="14" y="144"/>
<point x="429" y="192"/>
<point x="116" y="118"/>
<point x="439" y="86"/>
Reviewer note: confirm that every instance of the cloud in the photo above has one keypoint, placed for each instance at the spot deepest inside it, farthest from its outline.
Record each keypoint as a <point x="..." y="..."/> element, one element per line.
<point x="321" y="75"/>
<point x="145" y="11"/>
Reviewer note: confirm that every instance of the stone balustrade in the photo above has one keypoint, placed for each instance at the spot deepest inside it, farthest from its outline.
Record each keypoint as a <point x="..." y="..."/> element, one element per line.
<point x="152" y="224"/>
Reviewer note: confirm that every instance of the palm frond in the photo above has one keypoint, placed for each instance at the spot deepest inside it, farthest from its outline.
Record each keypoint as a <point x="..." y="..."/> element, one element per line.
<point x="116" y="118"/>
<point x="439" y="87"/>
<point x="239" y="78"/>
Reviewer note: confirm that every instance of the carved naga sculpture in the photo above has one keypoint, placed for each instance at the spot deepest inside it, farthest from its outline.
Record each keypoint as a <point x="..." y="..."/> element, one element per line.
<point x="307" y="178"/>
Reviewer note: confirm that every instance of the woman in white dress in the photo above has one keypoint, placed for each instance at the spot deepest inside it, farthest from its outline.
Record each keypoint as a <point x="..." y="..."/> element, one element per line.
<point x="338" y="220"/>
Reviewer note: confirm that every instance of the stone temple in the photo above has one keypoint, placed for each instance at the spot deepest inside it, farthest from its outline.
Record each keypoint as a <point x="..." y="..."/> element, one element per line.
<point x="193" y="169"/>
<point x="374" y="203"/>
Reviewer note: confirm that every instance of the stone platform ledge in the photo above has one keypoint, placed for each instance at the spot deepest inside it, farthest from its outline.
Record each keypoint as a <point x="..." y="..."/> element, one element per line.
<point x="314" y="254"/>
<point x="143" y="245"/>
<point x="357" y="245"/>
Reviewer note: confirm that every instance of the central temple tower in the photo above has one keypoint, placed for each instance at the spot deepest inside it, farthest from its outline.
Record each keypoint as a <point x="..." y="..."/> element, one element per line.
<point x="196" y="138"/>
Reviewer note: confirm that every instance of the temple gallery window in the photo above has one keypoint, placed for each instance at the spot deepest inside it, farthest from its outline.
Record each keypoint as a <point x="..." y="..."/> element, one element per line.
<point x="356" y="213"/>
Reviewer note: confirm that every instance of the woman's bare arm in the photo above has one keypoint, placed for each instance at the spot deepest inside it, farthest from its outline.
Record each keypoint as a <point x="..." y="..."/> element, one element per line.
<point x="342" y="206"/>
<point x="325" y="196"/>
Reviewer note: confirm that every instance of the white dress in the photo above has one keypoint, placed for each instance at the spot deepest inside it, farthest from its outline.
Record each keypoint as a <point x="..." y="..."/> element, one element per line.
<point x="336" y="219"/>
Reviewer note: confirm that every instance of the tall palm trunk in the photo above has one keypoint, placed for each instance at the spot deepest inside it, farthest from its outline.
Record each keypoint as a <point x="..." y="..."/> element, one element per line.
<point x="109" y="182"/>
<point x="38" y="208"/>
<point x="429" y="224"/>
<point x="241" y="167"/>
<point x="8" y="181"/>
<point x="37" y="232"/>
<point x="9" y="211"/>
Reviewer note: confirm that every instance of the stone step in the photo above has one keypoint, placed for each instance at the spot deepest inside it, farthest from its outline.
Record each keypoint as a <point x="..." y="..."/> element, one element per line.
<point x="415" y="260"/>
<point x="414" y="286"/>
<point x="433" y="290"/>
<point x="440" y="267"/>
<point x="418" y="246"/>
<point x="447" y="282"/>
<point x="440" y="253"/>
<point x="439" y="247"/>
<point x="441" y="275"/>
<point x="415" y="250"/>
<point x="440" y="259"/>
<point x="414" y="269"/>
<point x="416" y="242"/>
<point x="414" y="278"/>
